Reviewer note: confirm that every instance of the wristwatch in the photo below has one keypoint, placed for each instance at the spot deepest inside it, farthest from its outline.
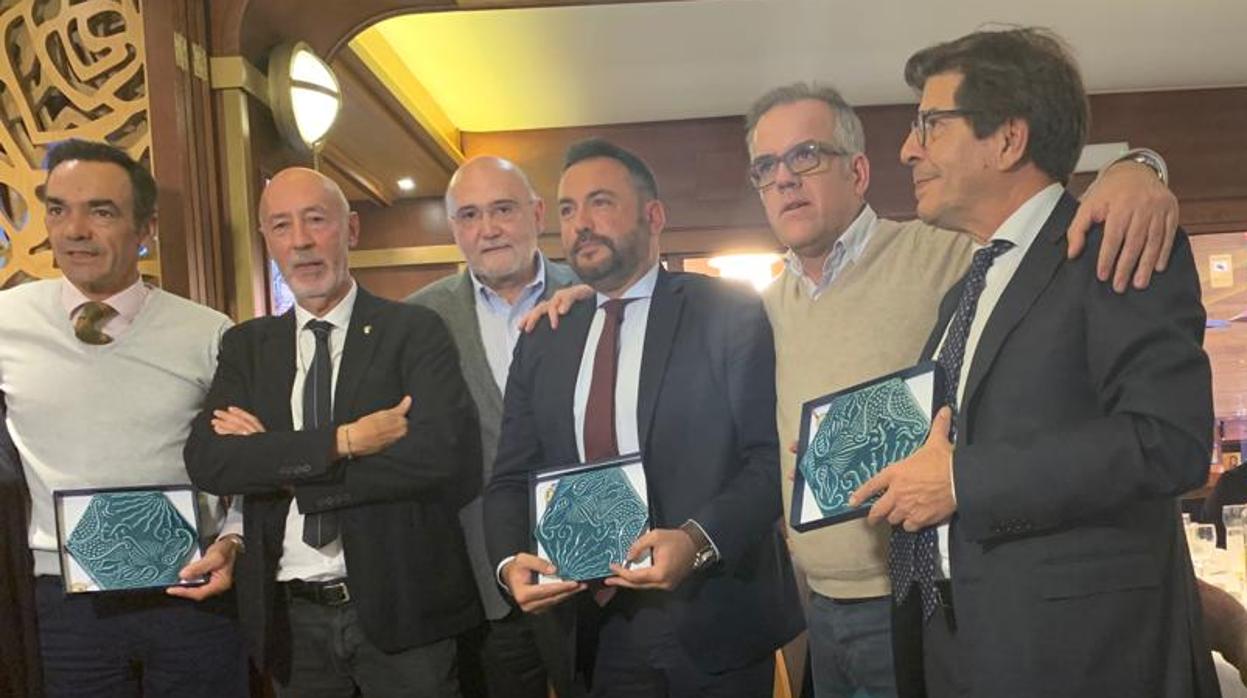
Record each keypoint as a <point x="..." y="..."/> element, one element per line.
<point x="1149" y="158"/>
<point x="240" y="546"/>
<point x="705" y="555"/>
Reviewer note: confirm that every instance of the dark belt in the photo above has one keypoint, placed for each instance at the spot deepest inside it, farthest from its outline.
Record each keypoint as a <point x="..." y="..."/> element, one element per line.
<point x="332" y="592"/>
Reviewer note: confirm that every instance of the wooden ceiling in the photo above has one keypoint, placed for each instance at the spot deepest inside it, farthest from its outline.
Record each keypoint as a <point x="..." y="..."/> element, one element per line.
<point x="376" y="141"/>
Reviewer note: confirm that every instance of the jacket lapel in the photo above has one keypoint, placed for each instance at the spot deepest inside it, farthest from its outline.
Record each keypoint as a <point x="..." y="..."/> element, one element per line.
<point x="664" y="318"/>
<point x="276" y="381"/>
<point x="568" y="347"/>
<point x="1031" y="278"/>
<point x="948" y="306"/>
<point x="472" y="349"/>
<point x="361" y="341"/>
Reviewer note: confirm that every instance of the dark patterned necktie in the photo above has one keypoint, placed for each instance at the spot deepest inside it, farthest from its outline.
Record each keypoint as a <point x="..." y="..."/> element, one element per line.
<point x="912" y="557"/>
<point x="319" y="529"/>
<point x="89" y="325"/>
<point x="599" y="427"/>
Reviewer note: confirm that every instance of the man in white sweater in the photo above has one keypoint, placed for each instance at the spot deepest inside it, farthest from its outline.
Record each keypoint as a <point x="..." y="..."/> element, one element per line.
<point x="103" y="375"/>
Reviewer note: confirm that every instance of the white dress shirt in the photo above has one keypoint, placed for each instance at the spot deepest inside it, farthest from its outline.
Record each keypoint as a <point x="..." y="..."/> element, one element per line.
<point x="1021" y="228"/>
<point x="628" y="370"/>
<point x="127" y="303"/>
<point x="298" y="559"/>
<point x="846" y="250"/>
<point x="499" y="321"/>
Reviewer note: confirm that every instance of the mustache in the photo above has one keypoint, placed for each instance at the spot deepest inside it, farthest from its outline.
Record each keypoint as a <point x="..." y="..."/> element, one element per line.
<point x="300" y="257"/>
<point x="586" y="236"/>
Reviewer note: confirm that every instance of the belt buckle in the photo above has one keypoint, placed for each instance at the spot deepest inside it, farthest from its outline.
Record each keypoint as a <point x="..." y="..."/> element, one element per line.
<point x="335" y="594"/>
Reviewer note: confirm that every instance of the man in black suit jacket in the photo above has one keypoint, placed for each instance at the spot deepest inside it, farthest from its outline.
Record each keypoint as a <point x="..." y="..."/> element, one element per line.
<point x="694" y="393"/>
<point x="1043" y="556"/>
<point x="346" y="425"/>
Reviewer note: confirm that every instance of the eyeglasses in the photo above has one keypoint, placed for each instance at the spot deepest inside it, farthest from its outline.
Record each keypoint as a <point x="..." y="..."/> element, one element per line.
<point x="922" y="124"/>
<point x="800" y="159"/>
<point x="501" y="211"/>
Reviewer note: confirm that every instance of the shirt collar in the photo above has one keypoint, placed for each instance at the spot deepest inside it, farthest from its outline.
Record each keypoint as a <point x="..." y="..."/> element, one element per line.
<point x="127" y="302"/>
<point x="339" y="316"/>
<point x="847" y="248"/>
<point x="491" y="296"/>
<point x="643" y="288"/>
<point x="1023" y="225"/>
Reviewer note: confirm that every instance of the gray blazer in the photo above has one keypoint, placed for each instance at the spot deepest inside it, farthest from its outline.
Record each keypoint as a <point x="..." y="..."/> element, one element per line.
<point x="454" y="299"/>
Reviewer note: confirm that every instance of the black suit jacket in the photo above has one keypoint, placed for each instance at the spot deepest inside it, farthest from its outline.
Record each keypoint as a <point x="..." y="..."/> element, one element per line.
<point x="706" y="422"/>
<point x="409" y="573"/>
<point x="1084" y="415"/>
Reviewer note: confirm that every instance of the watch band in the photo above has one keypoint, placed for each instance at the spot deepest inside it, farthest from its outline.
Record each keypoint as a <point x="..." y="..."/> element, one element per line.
<point x="1149" y="158"/>
<point x="705" y="552"/>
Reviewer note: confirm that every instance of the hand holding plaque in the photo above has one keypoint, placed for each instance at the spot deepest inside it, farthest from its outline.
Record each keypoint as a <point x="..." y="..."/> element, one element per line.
<point x="851" y="435"/>
<point x="587" y="517"/>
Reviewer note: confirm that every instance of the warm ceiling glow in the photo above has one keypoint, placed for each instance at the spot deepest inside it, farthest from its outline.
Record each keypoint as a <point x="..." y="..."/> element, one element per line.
<point x="757" y="269"/>
<point x="406" y="184"/>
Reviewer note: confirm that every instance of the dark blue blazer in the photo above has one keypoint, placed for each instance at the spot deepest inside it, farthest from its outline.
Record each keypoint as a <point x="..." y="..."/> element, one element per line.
<point x="706" y="422"/>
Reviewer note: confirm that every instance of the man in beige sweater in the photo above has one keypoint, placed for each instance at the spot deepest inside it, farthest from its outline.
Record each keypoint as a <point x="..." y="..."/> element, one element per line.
<point x="857" y="300"/>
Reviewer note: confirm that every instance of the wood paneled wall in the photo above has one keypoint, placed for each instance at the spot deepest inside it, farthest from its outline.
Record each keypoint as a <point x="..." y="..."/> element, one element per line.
<point x="700" y="166"/>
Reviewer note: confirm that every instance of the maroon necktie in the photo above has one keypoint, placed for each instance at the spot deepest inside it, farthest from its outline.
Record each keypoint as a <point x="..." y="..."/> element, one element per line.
<point x="600" y="409"/>
<point x="599" y="425"/>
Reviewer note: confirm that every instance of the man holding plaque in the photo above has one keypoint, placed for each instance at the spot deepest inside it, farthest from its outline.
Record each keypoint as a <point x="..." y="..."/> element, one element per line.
<point x="346" y="425"/>
<point x="1037" y="548"/>
<point x="101" y="374"/>
<point x="870" y="288"/>
<point x="678" y="368"/>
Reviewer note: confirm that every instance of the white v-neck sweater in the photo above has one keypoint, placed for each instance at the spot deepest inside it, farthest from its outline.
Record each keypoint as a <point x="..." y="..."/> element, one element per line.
<point x="102" y="416"/>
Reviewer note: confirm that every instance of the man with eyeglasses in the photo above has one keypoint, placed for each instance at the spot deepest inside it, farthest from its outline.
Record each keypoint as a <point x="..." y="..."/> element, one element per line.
<point x="495" y="216"/>
<point x="1042" y="554"/>
<point x="857" y="299"/>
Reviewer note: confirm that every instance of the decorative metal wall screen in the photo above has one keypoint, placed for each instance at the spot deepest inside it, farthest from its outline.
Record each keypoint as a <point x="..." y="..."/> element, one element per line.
<point x="69" y="70"/>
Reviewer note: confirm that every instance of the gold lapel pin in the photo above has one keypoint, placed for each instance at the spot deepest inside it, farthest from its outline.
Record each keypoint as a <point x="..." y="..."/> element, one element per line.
<point x="367" y="329"/>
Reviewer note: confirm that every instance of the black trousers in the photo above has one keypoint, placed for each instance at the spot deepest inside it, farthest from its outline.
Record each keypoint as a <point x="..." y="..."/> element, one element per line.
<point x="925" y="651"/>
<point x="639" y="656"/>
<point x="141" y="643"/>
<point x="499" y="659"/>
<point x="332" y="658"/>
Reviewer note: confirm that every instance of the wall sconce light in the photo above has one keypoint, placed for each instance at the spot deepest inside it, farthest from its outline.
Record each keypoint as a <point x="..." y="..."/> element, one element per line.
<point x="303" y="93"/>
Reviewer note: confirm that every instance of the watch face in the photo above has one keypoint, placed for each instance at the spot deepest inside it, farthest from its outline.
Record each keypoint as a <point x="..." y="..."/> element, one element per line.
<point x="703" y="557"/>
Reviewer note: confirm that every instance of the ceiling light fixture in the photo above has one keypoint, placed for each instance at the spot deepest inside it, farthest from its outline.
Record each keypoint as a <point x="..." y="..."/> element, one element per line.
<point x="406" y="184"/>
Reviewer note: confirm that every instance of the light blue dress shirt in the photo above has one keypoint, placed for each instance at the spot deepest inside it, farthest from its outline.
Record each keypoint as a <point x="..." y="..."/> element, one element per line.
<point x="499" y="321"/>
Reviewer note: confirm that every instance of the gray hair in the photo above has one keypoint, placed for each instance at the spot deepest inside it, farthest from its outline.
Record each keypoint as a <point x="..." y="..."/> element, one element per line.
<point x="849" y="134"/>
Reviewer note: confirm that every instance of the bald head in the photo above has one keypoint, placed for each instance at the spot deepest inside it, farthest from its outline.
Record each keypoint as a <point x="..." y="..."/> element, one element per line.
<point x="486" y="168"/>
<point x="496" y="216"/>
<point x="305" y="181"/>
<point x="309" y="229"/>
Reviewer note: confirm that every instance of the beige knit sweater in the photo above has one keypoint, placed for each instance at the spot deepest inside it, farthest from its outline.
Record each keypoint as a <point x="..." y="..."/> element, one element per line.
<point x="873" y="319"/>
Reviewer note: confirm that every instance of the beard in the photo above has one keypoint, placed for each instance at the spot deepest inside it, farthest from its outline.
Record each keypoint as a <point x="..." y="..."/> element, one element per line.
<point x="619" y="262"/>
